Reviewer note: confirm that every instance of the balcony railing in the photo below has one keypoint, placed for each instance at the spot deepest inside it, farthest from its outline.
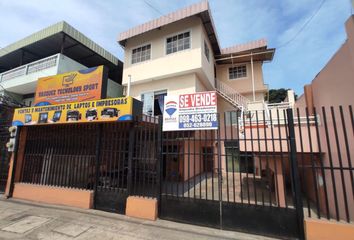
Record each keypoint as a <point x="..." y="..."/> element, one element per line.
<point x="33" y="67"/>
<point x="230" y="94"/>
<point x="282" y="105"/>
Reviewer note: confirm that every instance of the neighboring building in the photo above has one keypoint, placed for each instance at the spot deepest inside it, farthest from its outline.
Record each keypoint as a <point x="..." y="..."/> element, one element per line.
<point x="334" y="84"/>
<point x="331" y="90"/>
<point x="180" y="53"/>
<point x="54" y="50"/>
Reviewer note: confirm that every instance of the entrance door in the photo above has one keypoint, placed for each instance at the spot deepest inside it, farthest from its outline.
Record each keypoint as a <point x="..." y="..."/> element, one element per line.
<point x="148" y="103"/>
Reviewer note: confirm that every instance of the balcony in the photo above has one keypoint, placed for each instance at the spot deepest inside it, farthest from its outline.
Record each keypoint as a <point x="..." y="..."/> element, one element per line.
<point x="30" y="68"/>
<point x="23" y="79"/>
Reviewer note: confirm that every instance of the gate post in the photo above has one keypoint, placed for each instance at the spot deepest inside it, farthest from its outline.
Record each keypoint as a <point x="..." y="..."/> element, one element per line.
<point x="294" y="173"/>
<point x="220" y="179"/>
<point x="130" y="156"/>
<point x="159" y="164"/>
<point x="97" y="160"/>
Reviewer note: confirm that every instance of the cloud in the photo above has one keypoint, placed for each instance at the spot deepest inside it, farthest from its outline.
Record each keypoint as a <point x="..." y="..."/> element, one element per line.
<point x="237" y="21"/>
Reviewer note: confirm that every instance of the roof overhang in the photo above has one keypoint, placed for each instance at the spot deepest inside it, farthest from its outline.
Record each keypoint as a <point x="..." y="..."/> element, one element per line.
<point x="59" y="38"/>
<point x="200" y="9"/>
<point x="257" y="55"/>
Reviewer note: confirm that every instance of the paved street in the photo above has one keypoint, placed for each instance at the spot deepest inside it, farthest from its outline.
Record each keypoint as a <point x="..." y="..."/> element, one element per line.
<point x="27" y="220"/>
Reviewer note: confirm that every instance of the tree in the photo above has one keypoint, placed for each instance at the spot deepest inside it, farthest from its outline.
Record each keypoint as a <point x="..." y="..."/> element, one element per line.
<point x="276" y="95"/>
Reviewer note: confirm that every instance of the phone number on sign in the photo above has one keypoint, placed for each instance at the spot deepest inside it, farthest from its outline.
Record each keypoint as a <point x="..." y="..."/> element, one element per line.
<point x="198" y="118"/>
<point x="196" y="125"/>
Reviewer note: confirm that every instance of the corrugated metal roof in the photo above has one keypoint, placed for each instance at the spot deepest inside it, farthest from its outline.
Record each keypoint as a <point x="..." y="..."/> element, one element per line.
<point x="164" y="20"/>
<point x="261" y="43"/>
<point x="54" y="29"/>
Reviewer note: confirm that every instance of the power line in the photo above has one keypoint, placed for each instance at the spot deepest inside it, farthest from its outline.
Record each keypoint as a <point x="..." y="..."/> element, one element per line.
<point x="303" y="26"/>
<point x="154" y="8"/>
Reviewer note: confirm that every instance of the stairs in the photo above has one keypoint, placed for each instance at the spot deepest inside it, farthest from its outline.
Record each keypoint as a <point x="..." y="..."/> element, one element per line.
<point x="231" y="96"/>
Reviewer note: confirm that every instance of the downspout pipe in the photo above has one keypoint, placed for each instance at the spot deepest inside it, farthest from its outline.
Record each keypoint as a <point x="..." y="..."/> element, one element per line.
<point x="252" y="72"/>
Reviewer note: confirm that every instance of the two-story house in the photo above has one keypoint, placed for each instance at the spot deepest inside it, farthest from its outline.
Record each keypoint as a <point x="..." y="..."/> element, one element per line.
<point x="57" y="49"/>
<point x="180" y="53"/>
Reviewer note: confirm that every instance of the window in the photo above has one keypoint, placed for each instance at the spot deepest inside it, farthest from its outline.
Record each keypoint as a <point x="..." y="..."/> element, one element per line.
<point x="206" y="50"/>
<point x="141" y="54"/>
<point x="153" y="102"/>
<point x="238" y="72"/>
<point x="178" y="42"/>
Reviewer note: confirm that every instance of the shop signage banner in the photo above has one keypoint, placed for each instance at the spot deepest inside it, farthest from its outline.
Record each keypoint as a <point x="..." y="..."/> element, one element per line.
<point x="105" y="110"/>
<point x="190" y="112"/>
<point x="84" y="85"/>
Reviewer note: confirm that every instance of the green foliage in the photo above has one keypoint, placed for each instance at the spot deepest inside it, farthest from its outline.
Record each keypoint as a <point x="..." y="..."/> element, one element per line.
<point x="276" y="95"/>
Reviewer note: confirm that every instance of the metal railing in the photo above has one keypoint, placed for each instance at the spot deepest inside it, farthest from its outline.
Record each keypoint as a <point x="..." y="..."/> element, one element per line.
<point x="282" y="105"/>
<point x="249" y="168"/>
<point x="30" y="68"/>
<point x="276" y="117"/>
<point x="94" y="156"/>
<point x="231" y="95"/>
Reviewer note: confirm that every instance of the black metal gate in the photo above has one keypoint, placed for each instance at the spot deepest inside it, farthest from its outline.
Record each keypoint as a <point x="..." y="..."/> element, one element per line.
<point x="242" y="176"/>
<point x="112" y="167"/>
<point x="127" y="164"/>
<point x="6" y="113"/>
<point x="239" y="177"/>
<point x="114" y="160"/>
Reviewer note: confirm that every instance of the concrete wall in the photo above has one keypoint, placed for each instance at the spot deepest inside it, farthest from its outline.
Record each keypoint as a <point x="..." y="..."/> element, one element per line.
<point x="325" y="230"/>
<point x="67" y="64"/>
<point x="54" y="195"/>
<point x="244" y="85"/>
<point x="207" y="66"/>
<point x="173" y="85"/>
<point x="334" y="86"/>
<point x="114" y="89"/>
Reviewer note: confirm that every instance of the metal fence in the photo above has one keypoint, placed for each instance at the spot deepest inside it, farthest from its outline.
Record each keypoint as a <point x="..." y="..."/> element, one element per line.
<point x="60" y="155"/>
<point x="325" y="156"/>
<point x="271" y="166"/>
<point x="114" y="160"/>
<point x="6" y="113"/>
<point x="146" y="139"/>
<point x="228" y="177"/>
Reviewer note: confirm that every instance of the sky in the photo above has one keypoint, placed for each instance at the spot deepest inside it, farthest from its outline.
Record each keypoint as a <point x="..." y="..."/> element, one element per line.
<point x="237" y="21"/>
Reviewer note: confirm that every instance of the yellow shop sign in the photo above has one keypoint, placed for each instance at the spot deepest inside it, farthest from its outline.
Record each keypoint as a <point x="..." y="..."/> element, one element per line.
<point x="105" y="110"/>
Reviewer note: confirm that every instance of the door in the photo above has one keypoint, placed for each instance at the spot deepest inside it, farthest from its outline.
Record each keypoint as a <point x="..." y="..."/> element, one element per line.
<point x="148" y="103"/>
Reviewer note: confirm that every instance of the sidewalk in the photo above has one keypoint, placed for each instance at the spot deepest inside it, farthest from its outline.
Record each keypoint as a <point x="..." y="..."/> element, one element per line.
<point x="27" y="220"/>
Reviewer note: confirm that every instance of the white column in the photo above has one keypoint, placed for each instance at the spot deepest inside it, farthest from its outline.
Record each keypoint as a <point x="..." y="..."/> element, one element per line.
<point x="129" y="83"/>
<point x="253" y="89"/>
